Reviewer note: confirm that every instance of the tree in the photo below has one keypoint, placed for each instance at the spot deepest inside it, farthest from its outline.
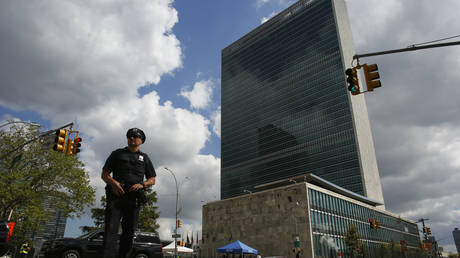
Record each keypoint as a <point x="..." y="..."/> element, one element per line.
<point x="352" y="240"/>
<point x="31" y="177"/>
<point x="149" y="213"/>
<point x="147" y="217"/>
<point x="98" y="215"/>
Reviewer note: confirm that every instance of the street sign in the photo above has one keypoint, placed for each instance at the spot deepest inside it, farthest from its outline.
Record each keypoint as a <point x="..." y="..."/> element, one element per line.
<point x="176" y="236"/>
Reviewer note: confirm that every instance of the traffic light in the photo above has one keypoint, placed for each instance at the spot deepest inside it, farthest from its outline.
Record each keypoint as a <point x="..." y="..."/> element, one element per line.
<point x="371" y="75"/>
<point x="352" y="80"/>
<point x="428" y="231"/>
<point x="76" y="145"/>
<point x="60" y="140"/>
<point x="371" y="223"/>
<point x="179" y="223"/>
<point x="377" y="224"/>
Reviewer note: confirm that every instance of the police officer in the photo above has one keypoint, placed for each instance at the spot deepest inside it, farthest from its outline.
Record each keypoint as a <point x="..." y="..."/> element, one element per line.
<point x="128" y="167"/>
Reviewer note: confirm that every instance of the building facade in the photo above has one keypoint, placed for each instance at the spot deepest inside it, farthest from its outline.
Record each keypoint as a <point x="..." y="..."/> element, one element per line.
<point x="316" y="211"/>
<point x="456" y="235"/>
<point x="54" y="227"/>
<point x="286" y="110"/>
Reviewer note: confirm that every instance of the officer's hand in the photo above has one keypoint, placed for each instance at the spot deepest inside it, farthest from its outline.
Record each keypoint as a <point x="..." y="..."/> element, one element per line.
<point x="135" y="187"/>
<point x="117" y="189"/>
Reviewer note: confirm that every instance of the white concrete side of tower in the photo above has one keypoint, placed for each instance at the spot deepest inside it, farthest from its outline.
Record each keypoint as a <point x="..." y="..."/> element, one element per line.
<point x="368" y="161"/>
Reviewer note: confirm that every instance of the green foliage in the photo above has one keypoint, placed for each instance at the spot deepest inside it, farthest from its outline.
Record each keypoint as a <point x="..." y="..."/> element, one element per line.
<point x="352" y="236"/>
<point x="149" y="213"/>
<point x="147" y="218"/>
<point x="352" y="240"/>
<point x="31" y="177"/>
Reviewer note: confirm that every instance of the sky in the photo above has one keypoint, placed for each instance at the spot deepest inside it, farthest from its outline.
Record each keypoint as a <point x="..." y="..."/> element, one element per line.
<point x="111" y="65"/>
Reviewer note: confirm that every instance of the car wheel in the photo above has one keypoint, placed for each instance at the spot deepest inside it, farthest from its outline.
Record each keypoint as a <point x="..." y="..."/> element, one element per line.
<point x="71" y="254"/>
<point x="141" y="256"/>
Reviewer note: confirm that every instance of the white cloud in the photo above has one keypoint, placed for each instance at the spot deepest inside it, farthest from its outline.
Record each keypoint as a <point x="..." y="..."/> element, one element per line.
<point x="266" y="18"/>
<point x="70" y="56"/>
<point x="281" y="3"/>
<point x="84" y="61"/>
<point x="215" y="117"/>
<point x="200" y="95"/>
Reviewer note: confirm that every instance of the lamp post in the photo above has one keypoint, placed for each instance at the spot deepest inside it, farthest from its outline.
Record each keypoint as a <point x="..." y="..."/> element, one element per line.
<point x="177" y="198"/>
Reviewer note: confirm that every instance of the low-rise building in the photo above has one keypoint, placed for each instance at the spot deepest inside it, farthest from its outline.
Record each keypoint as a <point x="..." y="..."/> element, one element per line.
<point x="306" y="212"/>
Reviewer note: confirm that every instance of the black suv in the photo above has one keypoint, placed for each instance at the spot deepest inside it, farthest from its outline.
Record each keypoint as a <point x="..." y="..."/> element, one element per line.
<point x="146" y="245"/>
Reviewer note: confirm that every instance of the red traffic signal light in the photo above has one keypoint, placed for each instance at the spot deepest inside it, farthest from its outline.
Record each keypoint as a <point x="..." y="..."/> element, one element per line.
<point x="371" y="223"/>
<point x="76" y="145"/>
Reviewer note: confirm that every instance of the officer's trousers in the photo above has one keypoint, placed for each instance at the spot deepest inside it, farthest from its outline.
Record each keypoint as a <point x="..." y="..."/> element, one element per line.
<point x="125" y="209"/>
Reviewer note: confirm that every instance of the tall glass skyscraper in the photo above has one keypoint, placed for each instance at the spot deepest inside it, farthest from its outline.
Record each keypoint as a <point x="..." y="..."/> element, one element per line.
<point x="286" y="110"/>
<point x="456" y="235"/>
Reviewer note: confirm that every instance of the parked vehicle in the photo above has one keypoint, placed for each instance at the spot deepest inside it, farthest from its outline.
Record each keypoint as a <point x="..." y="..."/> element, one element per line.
<point x="146" y="245"/>
<point x="4" y="237"/>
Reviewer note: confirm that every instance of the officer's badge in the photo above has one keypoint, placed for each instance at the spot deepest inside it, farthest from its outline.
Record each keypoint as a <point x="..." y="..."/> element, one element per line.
<point x="141" y="158"/>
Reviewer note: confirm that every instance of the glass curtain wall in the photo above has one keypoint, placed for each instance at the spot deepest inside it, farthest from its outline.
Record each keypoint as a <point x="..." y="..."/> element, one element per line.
<point x="285" y="106"/>
<point x="330" y="220"/>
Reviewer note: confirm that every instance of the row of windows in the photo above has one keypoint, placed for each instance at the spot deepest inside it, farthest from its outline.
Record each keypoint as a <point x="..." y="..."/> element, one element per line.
<point x="250" y="177"/>
<point x="285" y="99"/>
<point x="299" y="132"/>
<point x="249" y="151"/>
<point x="289" y="32"/>
<point x="327" y="146"/>
<point x="315" y="120"/>
<point x="266" y="28"/>
<point x="335" y="247"/>
<point x="272" y="60"/>
<point x="333" y="205"/>
<point x="332" y="215"/>
<point x="253" y="79"/>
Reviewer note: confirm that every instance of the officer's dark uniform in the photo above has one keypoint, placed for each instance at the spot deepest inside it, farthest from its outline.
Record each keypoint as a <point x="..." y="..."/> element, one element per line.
<point x="128" y="168"/>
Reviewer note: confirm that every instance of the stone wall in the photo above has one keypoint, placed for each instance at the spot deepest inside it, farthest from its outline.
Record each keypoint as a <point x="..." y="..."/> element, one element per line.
<point x="266" y="221"/>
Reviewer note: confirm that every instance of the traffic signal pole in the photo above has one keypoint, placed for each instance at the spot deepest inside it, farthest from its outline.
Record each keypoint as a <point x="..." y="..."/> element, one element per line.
<point x="35" y="139"/>
<point x="423" y="225"/>
<point x="410" y="48"/>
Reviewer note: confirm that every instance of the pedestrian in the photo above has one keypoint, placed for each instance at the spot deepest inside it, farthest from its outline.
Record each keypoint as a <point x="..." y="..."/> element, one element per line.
<point x="24" y="251"/>
<point x="124" y="192"/>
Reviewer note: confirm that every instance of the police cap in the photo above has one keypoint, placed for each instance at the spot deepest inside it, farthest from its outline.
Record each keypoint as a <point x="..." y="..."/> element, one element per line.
<point x="136" y="132"/>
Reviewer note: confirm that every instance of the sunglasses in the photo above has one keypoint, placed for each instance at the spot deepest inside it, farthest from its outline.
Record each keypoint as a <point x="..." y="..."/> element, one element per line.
<point x="135" y="135"/>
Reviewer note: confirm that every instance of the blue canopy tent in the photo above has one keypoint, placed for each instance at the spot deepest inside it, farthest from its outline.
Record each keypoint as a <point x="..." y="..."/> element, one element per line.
<point x="237" y="248"/>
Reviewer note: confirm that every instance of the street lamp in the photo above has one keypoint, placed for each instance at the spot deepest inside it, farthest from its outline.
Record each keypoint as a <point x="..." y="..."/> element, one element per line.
<point x="177" y="198"/>
<point x="247" y="191"/>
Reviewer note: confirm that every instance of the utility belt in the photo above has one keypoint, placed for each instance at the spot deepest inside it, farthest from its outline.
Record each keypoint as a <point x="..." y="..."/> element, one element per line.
<point x="138" y="196"/>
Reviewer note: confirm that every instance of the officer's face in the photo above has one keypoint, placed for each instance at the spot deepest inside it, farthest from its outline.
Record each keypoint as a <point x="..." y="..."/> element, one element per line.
<point x="134" y="141"/>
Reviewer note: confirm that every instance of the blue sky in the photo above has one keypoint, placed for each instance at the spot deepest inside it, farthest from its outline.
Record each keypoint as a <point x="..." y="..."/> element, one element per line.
<point x="155" y="64"/>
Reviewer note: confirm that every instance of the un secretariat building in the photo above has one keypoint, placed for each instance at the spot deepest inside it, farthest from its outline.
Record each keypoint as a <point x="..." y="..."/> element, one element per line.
<point x="298" y="162"/>
<point x="286" y="110"/>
